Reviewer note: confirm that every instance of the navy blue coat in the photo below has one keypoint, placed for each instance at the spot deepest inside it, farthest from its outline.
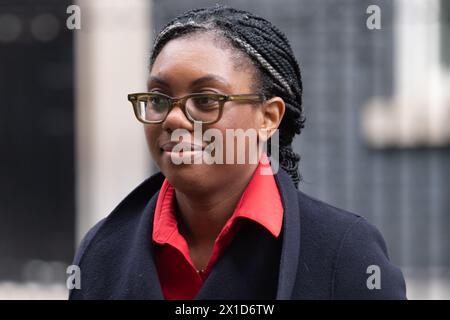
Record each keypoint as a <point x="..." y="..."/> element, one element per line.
<point x="326" y="253"/>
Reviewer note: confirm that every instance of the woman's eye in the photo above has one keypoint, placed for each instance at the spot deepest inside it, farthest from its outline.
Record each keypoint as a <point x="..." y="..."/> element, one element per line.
<point x="155" y="100"/>
<point x="205" y="102"/>
<point x="157" y="103"/>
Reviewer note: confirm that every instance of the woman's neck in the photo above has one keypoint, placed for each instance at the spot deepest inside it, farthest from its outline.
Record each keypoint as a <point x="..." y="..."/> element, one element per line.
<point x="202" y="217"/>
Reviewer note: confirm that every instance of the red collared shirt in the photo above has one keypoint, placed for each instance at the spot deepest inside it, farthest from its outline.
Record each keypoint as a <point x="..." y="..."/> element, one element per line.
<point x="260" y="203"/>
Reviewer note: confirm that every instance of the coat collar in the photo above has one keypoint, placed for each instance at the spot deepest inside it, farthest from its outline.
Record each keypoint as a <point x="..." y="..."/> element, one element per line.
<point x="290" y="242"/>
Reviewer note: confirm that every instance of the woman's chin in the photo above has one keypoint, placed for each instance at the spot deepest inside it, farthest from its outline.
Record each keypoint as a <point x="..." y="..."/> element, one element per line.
<point x="187" y="175"/>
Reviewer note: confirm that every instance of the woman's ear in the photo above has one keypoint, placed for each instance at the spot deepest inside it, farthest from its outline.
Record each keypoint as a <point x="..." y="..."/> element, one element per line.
<point x="272" y="112"/>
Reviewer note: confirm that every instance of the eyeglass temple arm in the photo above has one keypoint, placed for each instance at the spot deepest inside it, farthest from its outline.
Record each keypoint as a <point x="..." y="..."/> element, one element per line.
<point x="247" y="97"/>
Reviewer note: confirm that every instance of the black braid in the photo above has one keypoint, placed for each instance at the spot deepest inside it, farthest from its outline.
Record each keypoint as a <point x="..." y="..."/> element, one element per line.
<point x="276" y="70"/>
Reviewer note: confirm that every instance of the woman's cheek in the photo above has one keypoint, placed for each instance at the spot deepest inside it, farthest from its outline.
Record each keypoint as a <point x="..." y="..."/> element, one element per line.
<point x="151" y="138"/>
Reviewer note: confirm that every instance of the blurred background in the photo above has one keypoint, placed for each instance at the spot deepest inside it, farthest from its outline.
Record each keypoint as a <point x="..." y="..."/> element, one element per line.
<point x="376" y="77"/>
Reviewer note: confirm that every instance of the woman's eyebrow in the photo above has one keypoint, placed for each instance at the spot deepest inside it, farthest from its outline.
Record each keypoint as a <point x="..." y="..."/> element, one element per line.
<point x="196" y="82"/>
<point x="209" y="77"/>
<point x="157" y="80"/>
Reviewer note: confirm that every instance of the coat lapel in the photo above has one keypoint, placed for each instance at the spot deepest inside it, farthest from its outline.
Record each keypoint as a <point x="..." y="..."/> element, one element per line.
<point x="290" y="251"/>
<point x="247" y="269"/>
<point x="146" y="284"/>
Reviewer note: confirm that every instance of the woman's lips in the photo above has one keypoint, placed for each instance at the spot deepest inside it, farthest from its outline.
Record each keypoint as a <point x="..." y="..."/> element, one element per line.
<point x="181" y="146"/>
<point x="182" y="152"/>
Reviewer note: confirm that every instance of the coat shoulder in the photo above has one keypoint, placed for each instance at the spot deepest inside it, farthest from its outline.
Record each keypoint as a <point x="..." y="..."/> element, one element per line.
<point x="124" y="215"/>
<point x="339" y="251"/>
<point x="112" y="236"/>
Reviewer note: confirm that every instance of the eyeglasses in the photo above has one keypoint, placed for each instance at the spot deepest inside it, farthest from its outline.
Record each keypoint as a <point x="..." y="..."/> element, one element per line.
<point x="206" y="108"/>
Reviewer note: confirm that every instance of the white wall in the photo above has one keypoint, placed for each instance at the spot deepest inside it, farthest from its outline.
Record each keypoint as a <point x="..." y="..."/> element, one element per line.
<point x="111" y="56"/>
<point x="419" y="112"/>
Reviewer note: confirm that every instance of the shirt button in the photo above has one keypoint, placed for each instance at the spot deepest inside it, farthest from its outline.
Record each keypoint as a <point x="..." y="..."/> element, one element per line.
<point x="201" y="273"/>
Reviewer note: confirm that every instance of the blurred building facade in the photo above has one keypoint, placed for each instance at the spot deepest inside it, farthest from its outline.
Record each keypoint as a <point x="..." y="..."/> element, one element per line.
<point x="71" y="148"/>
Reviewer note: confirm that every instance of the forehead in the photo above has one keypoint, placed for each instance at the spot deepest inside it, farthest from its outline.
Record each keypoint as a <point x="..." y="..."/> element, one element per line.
<point x="185" y="59"/>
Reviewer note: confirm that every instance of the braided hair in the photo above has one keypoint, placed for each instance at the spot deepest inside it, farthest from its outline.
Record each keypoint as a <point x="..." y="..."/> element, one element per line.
<point x="256" y="41"/>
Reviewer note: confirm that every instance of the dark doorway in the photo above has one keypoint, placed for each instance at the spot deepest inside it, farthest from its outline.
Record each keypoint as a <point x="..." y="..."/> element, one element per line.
<point x="36" y="138"/>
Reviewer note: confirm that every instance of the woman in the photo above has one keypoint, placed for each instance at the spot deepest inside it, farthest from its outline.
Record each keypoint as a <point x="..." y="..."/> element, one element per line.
<point x="225" y="229"/>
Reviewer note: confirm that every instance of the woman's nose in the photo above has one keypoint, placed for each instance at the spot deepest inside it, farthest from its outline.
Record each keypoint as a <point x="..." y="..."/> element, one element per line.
<point x="176" y="119"/>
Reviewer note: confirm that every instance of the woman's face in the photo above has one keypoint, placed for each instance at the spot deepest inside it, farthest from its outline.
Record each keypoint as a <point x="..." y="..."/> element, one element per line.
<point x="179" y="64"/>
